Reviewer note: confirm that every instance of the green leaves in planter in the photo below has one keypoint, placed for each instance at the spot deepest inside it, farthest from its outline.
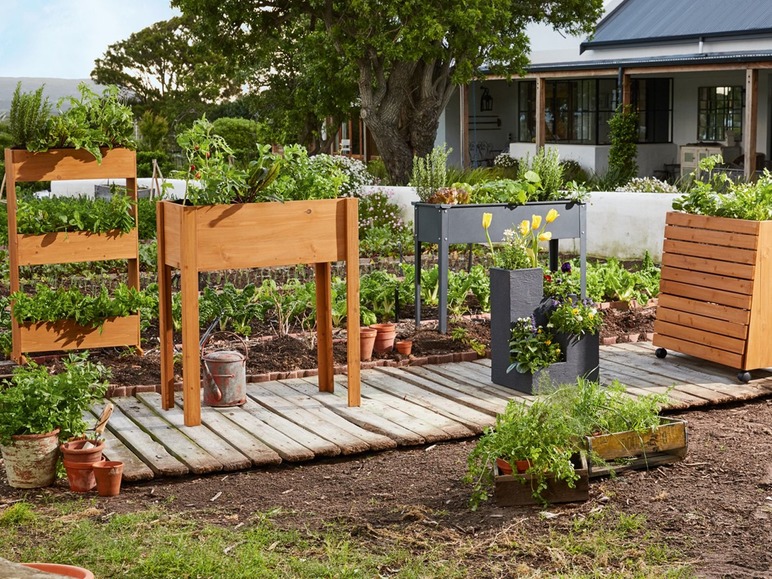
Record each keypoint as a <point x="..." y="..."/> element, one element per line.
<point x="51" y="214"/>
<point x="51" y="305"/>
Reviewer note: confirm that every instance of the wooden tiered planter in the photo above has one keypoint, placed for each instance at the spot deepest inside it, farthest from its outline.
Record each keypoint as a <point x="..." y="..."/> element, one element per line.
<point x="69" y="247"/>
<point x="715" y="300"/>
<point x="193" y="239"/>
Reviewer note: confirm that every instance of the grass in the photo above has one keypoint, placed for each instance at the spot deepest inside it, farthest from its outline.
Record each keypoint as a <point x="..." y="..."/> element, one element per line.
<point x="155" y="542"/>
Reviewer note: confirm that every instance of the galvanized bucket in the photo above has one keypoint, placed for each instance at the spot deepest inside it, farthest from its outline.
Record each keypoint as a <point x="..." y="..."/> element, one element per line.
<point x="225" y="376"/>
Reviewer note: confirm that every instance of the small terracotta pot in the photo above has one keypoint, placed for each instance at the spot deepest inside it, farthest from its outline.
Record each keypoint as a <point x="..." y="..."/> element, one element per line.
<point x="504" y="467"/>
<point x="522" y="466"/>
<point x="384" y="340"/>
<point x="366" y="342"/>
<point x="78" y="457"/>
<point x="108" y="474"/>
<point x="404" y="347"/>
<point x="66" y="570"/>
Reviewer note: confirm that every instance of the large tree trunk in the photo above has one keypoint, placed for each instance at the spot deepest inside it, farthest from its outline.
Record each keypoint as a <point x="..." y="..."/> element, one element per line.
<point x="402" y="111"/>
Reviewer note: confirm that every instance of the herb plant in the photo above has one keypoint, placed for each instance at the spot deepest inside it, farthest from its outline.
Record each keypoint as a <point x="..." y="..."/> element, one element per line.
<point x="50" y="214"/>
<point x="28" y="117"/>
<point x="430" y="172"/>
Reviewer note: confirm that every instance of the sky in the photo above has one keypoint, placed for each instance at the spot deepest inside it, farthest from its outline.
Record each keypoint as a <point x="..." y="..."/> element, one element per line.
<point x="63" y="38"/>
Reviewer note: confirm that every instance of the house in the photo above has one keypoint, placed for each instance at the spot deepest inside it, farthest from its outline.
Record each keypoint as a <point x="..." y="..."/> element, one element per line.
<point x="696" y="71"/>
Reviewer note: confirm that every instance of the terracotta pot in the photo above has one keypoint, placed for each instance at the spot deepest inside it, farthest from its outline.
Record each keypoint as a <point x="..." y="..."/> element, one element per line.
<point x="66" y="570"/>
<point x="504" y="467"/>
<point x="366" y="342"/>
<point x="30" y="460"/>
<point x="78" y="457"/>
<point x="522" y="466"/>
<point x="108" y="474"/>
<point x="404" y="347"/>
<point x="384" y="340"/>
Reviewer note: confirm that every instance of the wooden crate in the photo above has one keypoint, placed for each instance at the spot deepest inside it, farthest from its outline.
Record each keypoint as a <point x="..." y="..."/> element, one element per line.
<point x="517" y="489"/>
<point x="715" y="299"/>
<point x="67" y="335"/>
<point x="664" y="445"/>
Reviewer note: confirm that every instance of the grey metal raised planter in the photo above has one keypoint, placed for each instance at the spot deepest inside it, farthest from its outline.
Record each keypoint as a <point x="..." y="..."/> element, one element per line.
<point x="518" y="294"/>
<point x="445" y="224"/>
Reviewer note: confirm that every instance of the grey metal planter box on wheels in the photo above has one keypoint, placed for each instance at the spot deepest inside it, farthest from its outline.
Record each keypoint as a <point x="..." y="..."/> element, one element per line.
<point x="445" y="224"/>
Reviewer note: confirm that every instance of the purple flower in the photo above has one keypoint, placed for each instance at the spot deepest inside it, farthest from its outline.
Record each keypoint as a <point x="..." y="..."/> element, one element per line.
<point x="566" y="267"/>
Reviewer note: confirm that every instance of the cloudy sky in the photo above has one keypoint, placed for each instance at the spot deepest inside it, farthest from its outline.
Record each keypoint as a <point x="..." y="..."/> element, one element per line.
<point x="62" y="38"/>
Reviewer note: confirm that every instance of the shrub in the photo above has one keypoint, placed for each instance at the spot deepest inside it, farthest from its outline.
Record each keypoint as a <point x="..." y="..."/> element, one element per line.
<point x="648" y="185"/>
<point x="145" y="163"/>
<point x="377" y="168"/>
<point x="623" y="132"/>
<point x="430" y="172"/>
<point x="28" y="117"/>
<point x="153" y="130"/>
<point x="546" y="164"/>
<point x="354" y="170"/>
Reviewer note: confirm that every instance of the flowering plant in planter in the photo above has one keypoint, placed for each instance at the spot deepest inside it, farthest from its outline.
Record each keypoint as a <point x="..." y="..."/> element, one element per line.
<point x="575" y="316"/>
<point x="532" y="346"/>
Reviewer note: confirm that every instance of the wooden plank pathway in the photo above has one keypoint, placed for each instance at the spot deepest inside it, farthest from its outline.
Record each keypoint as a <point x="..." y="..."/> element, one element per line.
<point x="291" y="421"/>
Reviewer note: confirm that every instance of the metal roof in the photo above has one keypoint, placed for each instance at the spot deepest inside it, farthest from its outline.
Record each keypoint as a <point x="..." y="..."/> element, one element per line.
<point x="648" y="21"/>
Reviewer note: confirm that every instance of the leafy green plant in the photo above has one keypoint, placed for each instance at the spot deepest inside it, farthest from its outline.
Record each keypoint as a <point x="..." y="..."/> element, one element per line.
<point x="545" y="164"/>
<point x="28" y="117"/>
<point x="532" y="347"/>
<point x="234" y="308"/>
<point x="575" y="316"/>
<point x="430" y="172"/>
<point x="611" y="281"/>
<point x="623" y="132"/>
<point x="50" y="214"/>
<point x="6" y="342"/>
<point x="36" y="401"/>
<point x="302" y="177"/>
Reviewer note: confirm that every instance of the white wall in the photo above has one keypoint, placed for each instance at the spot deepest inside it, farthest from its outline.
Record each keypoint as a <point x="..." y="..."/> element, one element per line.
<point x="85" y="187"/>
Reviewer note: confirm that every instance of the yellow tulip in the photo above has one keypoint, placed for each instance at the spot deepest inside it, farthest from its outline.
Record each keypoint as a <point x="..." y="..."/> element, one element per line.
<point x="525" y="227"/>
<point x="552" y="215"/>
<point x="486" y="220"/>
<point x="535" y="221"/>
<point x="546" y="236"/>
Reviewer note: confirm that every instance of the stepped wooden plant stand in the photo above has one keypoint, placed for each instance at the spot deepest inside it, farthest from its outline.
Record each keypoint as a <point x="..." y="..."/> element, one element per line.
<point x="216" y="237"/>
<point x="715" y="299"/>
<point x="69" y="247"/>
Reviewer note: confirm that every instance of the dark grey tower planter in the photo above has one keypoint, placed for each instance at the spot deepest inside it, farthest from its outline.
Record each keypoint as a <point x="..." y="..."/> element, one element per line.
<point x="448" y="224"/>
<point x="518" y="294"/>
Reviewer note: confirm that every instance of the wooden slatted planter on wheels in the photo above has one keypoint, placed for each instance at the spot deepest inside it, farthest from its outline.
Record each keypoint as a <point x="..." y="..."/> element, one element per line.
<point x="247" y="235"/>
<point x="71" y="246"/>
<point x="715" y="300"/>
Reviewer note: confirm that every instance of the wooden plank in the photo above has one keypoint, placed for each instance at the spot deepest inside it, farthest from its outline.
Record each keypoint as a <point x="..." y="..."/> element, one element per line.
<point x="140" y="443"/>
<point x="176" y="443"/>
<point x="318" y="445"/>
<point x="469" y="398"/>
<point x="210" y="441"/>
<point x="353" y="355"/>
<point x="758" y="354"/>
<point x="76" y="246"/>
<point x="741" y="226"/>
<point x="433" y="427"/>
<point x="287" y="448"/>
<point x="288" y="403"/>
<point x="359" y="416"/>
<point x="325" y="361"/>
<point x="468" y="375"/>
<point x="731" y="254"/>
<point x="700" y="337"/>
<point x="471" y="419"/>
<point x="711" y="265"/>
<point x="712" y="238"/>
<point x="635" y="378"/>
<point x="67" y="164"/>
<point x="724" y="298"/>
<point x="710" y="310"/>
<point x="609" y="377"/>
<point x="705" y="280"/>
<point x="134" y="469"/>
<point x="67" y="335"/>
<point x="698" y="322"/>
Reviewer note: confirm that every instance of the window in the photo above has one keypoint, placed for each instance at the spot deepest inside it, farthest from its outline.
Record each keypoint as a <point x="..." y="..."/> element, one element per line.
<point x="653" y="100"/>
<point x="720" y="109"/>
<point x="526" y="111"/>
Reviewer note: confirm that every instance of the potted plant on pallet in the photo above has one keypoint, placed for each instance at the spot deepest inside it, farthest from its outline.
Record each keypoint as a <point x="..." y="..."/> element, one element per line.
<point x="37" y="405"/>
<point x="713" y="301"/>
<point x="537" y="329"/>
<point x="299" y="220"/>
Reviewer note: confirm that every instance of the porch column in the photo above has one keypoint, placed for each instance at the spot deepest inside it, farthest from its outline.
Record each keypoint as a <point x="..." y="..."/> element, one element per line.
<point x="463" y="108"/>
<point x="627" y="90"/>
<point x="750" y="120"/>
<point x="541" y="105"/>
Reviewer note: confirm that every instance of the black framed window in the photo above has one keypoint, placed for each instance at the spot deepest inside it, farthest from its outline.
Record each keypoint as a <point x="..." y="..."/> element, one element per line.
<point x="653" y="100"/>
<point x="720" y="110"/>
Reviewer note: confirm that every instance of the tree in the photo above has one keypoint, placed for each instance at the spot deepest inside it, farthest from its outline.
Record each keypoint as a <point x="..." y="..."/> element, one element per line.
<point x="409" y="55"/>
<point x="166" y="69"/>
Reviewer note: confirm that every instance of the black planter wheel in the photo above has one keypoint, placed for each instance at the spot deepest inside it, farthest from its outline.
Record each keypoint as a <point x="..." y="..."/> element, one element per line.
<point x="661" y="352"/>
<point x="744" y="376"/>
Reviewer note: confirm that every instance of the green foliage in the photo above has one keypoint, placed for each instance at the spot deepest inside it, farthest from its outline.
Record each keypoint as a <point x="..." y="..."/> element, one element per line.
<point x="242" y="135"/>
<point x="18" y="514"/>
<point x="3" y="223"/>
<point x="153" y="130"/>
<point x="647" y="185"/>
<point x="51" y="305"/>
<point x="303" y="178"/>
<point x="381" y="227"/>
<point x="36" y="402"/>
<point x="505" y="190"/>
<point x="354" y="171"/>
<point x="37" y="216"/>
<point x="430" y="172"/>
<point x="381" y="240"/>
<point x="719" y="196"/>
<point x="576" y="317"/>
<point x="546" y="164"/>
<point x="145" y="163"/>
<point x="233" y="308"/>
<point x="532" y="347"/>
<point x="377" y="168"/>
<point x="623" y="132"/>
<point x="28" y="117"/>
<point x="6" y="343"/>
<point x="611" y="281"/>
<point x="146" y="218"/>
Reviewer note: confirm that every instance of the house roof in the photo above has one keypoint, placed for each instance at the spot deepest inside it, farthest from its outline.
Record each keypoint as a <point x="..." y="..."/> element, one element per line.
<point x="656" y="21"/>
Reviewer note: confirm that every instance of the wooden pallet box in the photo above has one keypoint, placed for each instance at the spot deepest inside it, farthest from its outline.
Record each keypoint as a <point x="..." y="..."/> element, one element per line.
<point x="665" y="444"/>
<point x="715" y="301"/>
<point x="517" y="489"/>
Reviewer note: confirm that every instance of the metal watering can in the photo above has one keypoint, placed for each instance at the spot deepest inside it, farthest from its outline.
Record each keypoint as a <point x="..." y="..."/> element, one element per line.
<point x="225" y="375"/>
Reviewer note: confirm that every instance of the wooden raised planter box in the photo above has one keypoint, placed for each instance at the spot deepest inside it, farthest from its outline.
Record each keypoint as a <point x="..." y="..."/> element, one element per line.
<point x="218" y="237"/>
<point x="665" y="444"/>
<point x="517" y="489"/>
<point x="70" y="247"/>
<point x="714" y="300"/>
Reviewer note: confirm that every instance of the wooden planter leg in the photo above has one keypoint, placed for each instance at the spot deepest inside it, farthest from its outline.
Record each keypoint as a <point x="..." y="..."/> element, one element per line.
<point x="353" y="354"/>
<point x="191" y="360"/>
<point x="323" y="276"/>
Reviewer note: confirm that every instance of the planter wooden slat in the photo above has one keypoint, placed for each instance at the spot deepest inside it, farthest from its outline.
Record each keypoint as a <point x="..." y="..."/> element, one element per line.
<point x="67" y="164"/>
<point x="730" y="254"/>
<point x="706" y="295"/>
<point x="686" y="318"/>
<point x="67" y="335"/>
<point x="709" y="266"/>
<point x="75" y="246"/>
<point x="517" y="489"/>
<point x="715" y="296"/>
<point x="711" y="310"/>
<point x="669" y="436"/>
